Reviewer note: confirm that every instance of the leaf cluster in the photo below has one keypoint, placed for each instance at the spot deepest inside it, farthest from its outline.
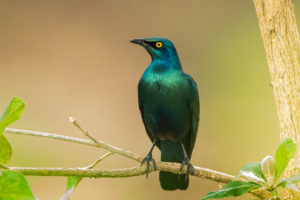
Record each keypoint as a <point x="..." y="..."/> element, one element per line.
<point x="264" y="175"/>
<point x="13" y="185"/>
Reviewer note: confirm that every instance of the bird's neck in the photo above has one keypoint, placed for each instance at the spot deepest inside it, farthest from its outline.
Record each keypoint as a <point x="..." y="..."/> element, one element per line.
<point x="161" y="65"/>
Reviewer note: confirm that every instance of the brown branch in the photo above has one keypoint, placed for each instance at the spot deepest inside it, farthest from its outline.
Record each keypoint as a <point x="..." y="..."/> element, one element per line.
<point x="116" y="173"/>
<point x="173" y="167"/>
<point x="125" y="172"/>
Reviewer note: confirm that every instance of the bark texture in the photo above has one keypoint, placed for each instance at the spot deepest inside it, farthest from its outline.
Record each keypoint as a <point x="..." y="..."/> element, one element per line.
<point x="280" y="35"/>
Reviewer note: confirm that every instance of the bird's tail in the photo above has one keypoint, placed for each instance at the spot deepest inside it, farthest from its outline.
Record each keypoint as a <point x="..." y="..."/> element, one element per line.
<point x="172" y="152"/>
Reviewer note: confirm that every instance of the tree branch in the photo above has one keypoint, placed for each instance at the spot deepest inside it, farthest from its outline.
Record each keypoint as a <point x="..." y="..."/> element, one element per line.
<point x="115" y="173"/>
<point x="173" y="167"/>
<point x="124" y="172"/>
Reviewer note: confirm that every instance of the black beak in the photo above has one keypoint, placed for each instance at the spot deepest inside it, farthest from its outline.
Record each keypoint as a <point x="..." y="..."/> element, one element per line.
<point x="139" y="41"/>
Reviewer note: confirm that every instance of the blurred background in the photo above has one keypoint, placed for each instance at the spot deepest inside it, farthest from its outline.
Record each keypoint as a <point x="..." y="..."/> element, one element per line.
<point x="73" y="58"/>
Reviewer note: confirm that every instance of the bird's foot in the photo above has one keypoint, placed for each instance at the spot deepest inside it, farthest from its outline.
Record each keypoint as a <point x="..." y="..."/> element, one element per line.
<point x="189" y="167"/>
<point x="148" y="159"/>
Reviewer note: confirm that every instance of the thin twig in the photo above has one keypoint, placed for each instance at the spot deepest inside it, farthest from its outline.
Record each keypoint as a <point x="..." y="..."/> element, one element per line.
<point x="99" y="160"/>
<point x="84" y="131"/>
<point x="51" y="136"/>
<point x="100" y="143"/>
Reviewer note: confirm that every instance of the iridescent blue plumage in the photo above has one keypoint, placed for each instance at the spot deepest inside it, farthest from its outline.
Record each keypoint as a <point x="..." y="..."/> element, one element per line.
<point x="169" y="106"/>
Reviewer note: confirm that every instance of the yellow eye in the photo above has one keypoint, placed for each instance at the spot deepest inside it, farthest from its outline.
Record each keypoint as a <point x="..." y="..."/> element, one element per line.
<point x="158" y="45"/>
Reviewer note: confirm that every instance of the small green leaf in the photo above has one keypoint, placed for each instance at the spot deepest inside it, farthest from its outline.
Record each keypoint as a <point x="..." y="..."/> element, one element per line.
<point x="251" y="177"/>
<point x="268" y="169"/>
<point x="5" y="150"/>
<point x="255" y="168"/>
<point x="14" y="186"/>
<point x="73" y="181"/>
<point x="282" y="183"/>
<point x="290" y="181"/>
<point x="234" y="188"/>
<point x="285" y="152"/>
<point x="294" y="178"/>
<point x="288" y="184"/>
<point x="12" y="112"/>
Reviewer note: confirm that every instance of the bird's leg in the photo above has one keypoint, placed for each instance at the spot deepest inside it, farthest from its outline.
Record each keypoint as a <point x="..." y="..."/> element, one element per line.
<point x="186" y="161"/>
<point x="149" y="158"/>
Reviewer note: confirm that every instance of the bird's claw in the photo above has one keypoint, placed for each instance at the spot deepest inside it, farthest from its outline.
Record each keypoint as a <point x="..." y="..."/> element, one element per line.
<point x="147" y="159"/>
<point x="189" y="167"/>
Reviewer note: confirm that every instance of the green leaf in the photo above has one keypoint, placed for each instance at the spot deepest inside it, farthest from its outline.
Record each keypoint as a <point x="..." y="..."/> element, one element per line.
<point x="73" y="181"/>
<point x="14" y="186"/>
<point x="282" y="183"/>
<point x="288" y="184"/>
<point x="251" y="177"/>
<point x="294" y="178"/>
<point x="268" y="169"/>
<point x="234" y="188"/>
<point x="255" y="168"/>
<point x="285" y="152"/>
<point x="12" y="112"/>
<point x="5" y="150"/>
<point x="290" y="181"/>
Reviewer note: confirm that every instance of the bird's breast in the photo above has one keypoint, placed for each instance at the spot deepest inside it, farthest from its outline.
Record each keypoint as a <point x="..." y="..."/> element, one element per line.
<point x="165" y="107"/>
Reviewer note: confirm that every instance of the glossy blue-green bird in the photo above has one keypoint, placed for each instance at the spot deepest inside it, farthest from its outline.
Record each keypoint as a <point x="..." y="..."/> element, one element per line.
<point x="169" y="105"/>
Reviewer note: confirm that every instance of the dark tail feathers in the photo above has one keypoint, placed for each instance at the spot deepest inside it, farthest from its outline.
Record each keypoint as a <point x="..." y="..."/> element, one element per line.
<point x="170" y="181"/>
<point x="172" y="152"/>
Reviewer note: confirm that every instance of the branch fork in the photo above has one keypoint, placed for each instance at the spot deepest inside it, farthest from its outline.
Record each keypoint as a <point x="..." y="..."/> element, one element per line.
<point x="112" y="173"/>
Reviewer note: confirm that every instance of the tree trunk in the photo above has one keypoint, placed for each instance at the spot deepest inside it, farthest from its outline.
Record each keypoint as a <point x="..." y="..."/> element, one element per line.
<point x="281" y="40"/>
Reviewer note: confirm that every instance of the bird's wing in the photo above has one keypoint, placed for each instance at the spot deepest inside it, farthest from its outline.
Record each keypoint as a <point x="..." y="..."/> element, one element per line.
<point x="140" y="99"/>
<point x="194" y="109"/>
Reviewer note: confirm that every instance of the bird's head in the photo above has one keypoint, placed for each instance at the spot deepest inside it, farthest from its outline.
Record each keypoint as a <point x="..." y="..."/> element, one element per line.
<point x="158" y="48"/>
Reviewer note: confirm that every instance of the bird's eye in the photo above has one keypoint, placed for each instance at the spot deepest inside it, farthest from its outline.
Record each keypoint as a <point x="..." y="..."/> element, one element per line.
<point x="158" y="45"/>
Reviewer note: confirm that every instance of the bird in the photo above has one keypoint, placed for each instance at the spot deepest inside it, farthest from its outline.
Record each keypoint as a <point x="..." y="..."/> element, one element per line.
<point x="169" y="105"/>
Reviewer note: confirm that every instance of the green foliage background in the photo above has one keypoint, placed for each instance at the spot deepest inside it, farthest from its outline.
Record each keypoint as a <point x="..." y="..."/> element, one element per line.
<point x="73" y="58"/>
